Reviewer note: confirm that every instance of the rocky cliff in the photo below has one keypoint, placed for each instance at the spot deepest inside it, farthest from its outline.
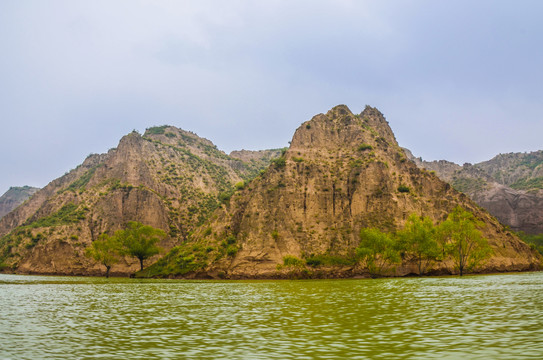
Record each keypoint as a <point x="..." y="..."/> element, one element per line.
<point x="341" y="173"/>
<point x="521" y="171"/>
<point x="14" y="197"/>
<point x="257" y="159"/>
<point x="227" y="217"/>
<point x="509" y="186"/>
<point x="168" y="178"/>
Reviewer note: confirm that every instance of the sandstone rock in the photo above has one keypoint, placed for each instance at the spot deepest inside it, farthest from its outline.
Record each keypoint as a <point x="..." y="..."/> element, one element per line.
<point x="168" y="178"/>
<point x="490" y="183"/>
<point x="341" y="173"/>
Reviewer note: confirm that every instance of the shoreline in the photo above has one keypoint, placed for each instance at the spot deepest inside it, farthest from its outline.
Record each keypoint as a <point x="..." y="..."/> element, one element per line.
<point x="283" y="277"/>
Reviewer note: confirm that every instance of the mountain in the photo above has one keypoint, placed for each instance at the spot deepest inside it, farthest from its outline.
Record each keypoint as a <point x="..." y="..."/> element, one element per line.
<point x="521" y="171"/>
<point x="509" y="186"/>
<point x="342" y="173"/>
<point x="14" y="197"/>
<point x="257" y="159"/>
<point x="168" y="178"/>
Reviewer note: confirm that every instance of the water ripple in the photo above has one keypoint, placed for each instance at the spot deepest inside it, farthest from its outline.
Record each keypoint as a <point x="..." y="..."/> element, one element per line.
<point x="477" y="317"/>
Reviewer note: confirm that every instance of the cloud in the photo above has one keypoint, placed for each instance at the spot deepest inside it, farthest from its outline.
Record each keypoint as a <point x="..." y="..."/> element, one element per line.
<point x="457" y="80"/>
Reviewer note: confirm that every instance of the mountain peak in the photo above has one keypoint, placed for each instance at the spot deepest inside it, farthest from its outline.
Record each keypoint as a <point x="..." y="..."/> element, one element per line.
<point x="340" y="128"/>
<point x="339" y="110"/>
<point x="14" y="197"/>
<point x="342" y="173"/>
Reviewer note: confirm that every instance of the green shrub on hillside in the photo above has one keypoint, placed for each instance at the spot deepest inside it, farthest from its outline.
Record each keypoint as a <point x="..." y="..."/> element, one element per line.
<point x="528" y="184"/>
<point x="535" y="241"/>
<point x="68" y="214"/>
<point x="291" y="260"/>
<point x="83" y="180"/>
<point x="279" y="162"/>
<point x="157" y="130"/>
<point x="363" y="147"/>
<point x="232" y="250"/>
<point x="231" y="239"/>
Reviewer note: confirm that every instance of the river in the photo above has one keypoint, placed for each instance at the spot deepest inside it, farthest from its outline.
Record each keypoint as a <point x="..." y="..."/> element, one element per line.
<point x="473" y="317"/>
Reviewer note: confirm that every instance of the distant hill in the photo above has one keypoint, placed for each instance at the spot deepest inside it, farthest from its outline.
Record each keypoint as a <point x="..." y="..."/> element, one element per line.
<point x="14" y="197"/>
<point x="509" y="186"/>
<point x="258" y="159"/>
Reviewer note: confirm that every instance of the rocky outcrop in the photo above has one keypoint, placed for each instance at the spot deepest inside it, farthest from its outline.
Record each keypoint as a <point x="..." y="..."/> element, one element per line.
<point x="14" y="197"/>
<point x="522" y="171"/>
<point x="256" y="155"/>
<point x="341" y="173"/>
<point x="168" y="178"/>
<point x="507" y="186"/>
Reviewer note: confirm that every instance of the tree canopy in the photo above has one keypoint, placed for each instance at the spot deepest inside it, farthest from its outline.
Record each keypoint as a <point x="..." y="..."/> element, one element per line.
<point x="105" y="250"/>
<point x="422" y="241"/>
<point x="136" y="240"/>
<point x="418" y="239"/>
<point x="465" y="242"/>
<point x="378" y="249"/>
<point x="140" y="240"/>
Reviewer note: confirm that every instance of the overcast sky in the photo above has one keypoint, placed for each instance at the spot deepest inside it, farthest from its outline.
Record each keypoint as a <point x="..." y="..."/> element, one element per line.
<point x="457" y="80"/>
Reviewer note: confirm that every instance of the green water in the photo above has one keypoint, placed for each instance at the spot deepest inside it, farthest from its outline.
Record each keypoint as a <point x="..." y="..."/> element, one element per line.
<point x="476" y="317"/>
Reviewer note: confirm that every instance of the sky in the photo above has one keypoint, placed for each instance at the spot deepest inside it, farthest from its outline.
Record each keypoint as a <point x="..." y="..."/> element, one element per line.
<point x="456" y="80"/>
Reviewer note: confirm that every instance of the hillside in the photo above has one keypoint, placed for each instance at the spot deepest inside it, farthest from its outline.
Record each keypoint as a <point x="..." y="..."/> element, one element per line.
<point x="256" y="159"/>
<point x="14" y="197"/>
<point x="508" y="186"/>
<point x="168" y="178"/>
<point x="341" y="173"/>
<point x="520" y="171"/>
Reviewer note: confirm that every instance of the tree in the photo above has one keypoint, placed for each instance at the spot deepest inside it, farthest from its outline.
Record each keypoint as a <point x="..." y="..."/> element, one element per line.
<point x="378" y="249"/>
<point x="105" y="250"/>
<point x="418" y="238"/>
<point x="140" y="240"/>
<point x="465" y="243"/>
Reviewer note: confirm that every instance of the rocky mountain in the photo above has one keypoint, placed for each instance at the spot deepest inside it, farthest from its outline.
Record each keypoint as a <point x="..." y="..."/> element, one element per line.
<point x="520" y="171"/>
<point x="509" y="186"/>
<point x="168" y="178"/>
<point x="14" y="197"/>
<point x="342" y="173"/>
<point x="257" y="159"/>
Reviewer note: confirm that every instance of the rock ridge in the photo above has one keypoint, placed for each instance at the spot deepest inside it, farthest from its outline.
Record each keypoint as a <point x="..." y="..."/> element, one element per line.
<point x="342" y="172"/>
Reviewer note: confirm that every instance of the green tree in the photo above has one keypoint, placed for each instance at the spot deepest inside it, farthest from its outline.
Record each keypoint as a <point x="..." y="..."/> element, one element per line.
<point x="105" y="250"/>
<point x="535" y="241"/>
<point x="378" y="249"/>
<point x="140" y="240"/>
<point x="418" y="239"/>
<point x="465" y="242"/>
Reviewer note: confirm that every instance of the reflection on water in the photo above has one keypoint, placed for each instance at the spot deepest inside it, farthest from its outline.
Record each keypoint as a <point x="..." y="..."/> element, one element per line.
<point x="477" y="317"/>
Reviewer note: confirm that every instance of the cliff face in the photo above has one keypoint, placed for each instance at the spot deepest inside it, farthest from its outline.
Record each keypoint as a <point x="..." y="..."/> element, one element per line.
<point x="341" y="173"/>
<point x="14" y="197"/>
<point x="256" y="159"/>
<point x="168" y="178"/>
<point x="509" y="186"/>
